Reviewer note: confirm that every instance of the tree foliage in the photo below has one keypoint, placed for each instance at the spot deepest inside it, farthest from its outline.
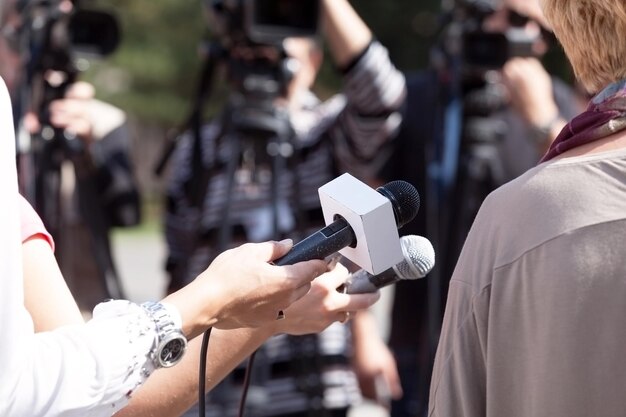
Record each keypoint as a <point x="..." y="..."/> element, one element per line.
<point x="152" y="74"/>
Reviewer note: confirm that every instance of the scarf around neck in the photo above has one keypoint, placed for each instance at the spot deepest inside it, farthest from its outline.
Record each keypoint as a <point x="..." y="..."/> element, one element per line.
<point x="605" y="115"/>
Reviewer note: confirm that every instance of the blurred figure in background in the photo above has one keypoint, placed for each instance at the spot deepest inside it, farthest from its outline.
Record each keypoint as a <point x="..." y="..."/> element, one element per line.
<point x="511" y="112"/>
<point x="73" y="150"/>
<point x="259" y="187"/>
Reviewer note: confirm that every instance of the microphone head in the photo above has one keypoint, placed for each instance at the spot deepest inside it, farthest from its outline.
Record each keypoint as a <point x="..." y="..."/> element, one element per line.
<point x="404" y="198"/>
<point x="419" y="257"/>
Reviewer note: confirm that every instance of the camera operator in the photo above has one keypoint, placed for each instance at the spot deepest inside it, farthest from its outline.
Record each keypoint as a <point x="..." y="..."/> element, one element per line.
<point x="531" y="107"/>
<point x="305" y="375"/>
<point x="82" y="193"/>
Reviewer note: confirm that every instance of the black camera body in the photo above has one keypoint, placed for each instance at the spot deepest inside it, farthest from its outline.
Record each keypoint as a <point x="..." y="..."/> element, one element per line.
<point x="56" y="38"/>
<point x="486" y="50"/>
<point x="265" y="22"/>
<point x="58" y="43"/>
<point x="271" y="21"/>
<point x="250" y="34"/>
<point x="482" y="50"/>
<point x="472" y="54"/>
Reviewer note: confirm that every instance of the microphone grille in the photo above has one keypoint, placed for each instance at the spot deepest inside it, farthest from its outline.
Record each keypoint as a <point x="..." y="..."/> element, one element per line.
<point x="404" y="198"/>
<point x="419" y="257"/>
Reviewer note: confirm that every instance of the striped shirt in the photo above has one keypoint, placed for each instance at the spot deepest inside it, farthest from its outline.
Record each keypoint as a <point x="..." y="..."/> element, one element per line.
<point x="346" y="133"/>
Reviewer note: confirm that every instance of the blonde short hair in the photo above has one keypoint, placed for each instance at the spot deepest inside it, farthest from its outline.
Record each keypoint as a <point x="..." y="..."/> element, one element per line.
<point x="593" y="35"/>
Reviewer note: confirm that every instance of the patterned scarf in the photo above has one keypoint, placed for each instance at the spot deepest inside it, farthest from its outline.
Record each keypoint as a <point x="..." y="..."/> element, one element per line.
<point x="605" y="115"/>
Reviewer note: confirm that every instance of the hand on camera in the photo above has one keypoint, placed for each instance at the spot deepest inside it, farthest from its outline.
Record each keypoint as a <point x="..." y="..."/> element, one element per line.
<point x="71" y="113"/>
<point x="324" y="305"/>
<point x="242" y="289"/>
<point x="530" y="90"/>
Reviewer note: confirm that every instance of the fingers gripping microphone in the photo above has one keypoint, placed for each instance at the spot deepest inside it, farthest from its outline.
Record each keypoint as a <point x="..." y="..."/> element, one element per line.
<point x="361" y="223"/>
<point x="419" y="259"/>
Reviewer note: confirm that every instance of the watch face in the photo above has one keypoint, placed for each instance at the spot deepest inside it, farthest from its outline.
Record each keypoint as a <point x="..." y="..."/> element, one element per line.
<point x="172" y="350"/>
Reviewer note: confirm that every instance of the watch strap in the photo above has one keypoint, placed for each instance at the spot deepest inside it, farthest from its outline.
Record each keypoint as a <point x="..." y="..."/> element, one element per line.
<point x="168" y="326"/>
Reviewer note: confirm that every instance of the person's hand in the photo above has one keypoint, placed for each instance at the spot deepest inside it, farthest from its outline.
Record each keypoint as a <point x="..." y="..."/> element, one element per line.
<point x="376" y="370"/>
<point x="242" y="289"/>
<point x="323" y="305"/>
<point x="530" y="90"/>
<point x="72" y="113"/>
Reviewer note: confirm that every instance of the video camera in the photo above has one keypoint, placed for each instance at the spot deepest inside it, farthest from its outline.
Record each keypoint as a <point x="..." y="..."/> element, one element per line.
<point x="252" y="33"/>
<point x="56" y="38"/>
<point x="483" y="50"/>
<point x="471" y="53"/>
<point x="264" y="22"/>
<point x="57" y="43"/>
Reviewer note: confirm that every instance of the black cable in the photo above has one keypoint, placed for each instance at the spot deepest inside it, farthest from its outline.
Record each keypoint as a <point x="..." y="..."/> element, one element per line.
<point x="246" y="384"/>
<point x="202" y="372"/>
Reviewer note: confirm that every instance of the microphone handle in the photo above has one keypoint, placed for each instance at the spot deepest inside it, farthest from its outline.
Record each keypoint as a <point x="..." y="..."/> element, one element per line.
<point x="319" y="245"/>
<point x="362" y="282"/>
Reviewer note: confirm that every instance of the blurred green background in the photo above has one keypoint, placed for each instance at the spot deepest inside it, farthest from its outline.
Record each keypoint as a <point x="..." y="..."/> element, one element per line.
<point x="152" y="74"/>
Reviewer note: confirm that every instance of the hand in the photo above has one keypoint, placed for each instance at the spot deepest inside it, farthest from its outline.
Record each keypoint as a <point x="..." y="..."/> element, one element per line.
<point x="323" y="305"/>
<point x="530" y="90"/>
<point x="242" y="289"/>
<point x="376" y="370"/>
<point x="72" y="113"/>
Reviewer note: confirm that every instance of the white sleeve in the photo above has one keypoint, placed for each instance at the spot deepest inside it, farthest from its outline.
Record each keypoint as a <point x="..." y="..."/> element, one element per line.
<point x="74" y="371"/>
<point x="80" y="370"/>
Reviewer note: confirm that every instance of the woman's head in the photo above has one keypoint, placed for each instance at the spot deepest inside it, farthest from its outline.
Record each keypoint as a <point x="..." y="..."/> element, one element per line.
<point x="592" y="35"/>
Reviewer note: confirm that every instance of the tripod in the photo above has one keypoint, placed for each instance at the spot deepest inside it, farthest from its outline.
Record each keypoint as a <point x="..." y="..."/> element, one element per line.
<point x="42" y="172"/>
<point x="245" y="166"/>
<point x="50" y="68"/>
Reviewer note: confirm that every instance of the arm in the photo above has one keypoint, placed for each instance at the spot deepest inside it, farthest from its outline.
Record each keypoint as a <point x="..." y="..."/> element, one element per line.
<point x="346" y="33"/>
<point x="46" y="295"/>
<point x="106" y="137"/>
<point x="374" y="91"/>
<point x="158" y="397"/>
<point x="530" y="89"/>
<point x="227" y="348"/>
<point x="373" y="362"/>
<point x="322" y="306"/>
<point x="98" y="365"/>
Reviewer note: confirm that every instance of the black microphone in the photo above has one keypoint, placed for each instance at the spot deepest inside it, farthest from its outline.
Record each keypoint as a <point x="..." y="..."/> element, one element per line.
<point x="405" y="202"/>
<point x="419" y="259"/>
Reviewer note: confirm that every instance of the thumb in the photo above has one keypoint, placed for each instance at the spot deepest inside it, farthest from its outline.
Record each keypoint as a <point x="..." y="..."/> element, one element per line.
<point x="272" y="250"/>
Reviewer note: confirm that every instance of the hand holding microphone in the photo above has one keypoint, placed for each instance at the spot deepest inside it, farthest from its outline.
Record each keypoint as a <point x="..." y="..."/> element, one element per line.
<point x="419" y="259"/>
<point x="361" y="219"/>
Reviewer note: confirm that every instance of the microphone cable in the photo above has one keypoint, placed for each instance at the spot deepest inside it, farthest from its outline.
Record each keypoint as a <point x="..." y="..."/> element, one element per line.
<point x="202" y="377"/>
<point x="246" y="384"/>
<point x="202" y="373"/>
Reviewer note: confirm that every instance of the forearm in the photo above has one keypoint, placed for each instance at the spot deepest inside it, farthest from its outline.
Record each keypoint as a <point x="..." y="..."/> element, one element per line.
<point x="544" y="137"/>
<point x="363" y="325"/>
<point x="345" y="31"/>
<point x="375" y="91"/>
<point x="170" y="392"/>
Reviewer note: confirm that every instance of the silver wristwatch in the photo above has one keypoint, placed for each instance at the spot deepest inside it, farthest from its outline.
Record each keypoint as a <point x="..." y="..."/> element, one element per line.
<point x="171" y="343"/>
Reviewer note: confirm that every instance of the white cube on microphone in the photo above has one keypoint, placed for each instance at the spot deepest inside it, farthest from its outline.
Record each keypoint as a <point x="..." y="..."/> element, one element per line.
<point x="371" y="217"/>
